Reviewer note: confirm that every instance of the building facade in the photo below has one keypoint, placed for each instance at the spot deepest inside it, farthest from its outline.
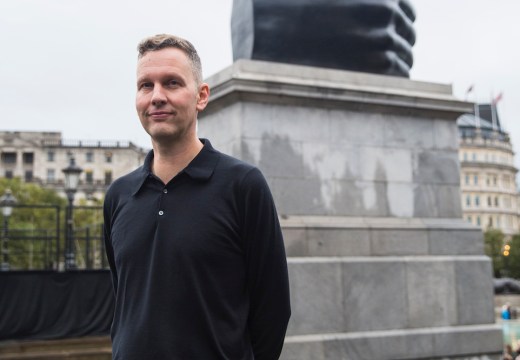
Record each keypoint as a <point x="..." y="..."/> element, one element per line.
<point x="490" y="197"/>
<point x="40" y="157"/>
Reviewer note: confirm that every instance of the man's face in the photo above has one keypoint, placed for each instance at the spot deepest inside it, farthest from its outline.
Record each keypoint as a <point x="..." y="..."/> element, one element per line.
<point x="168" y="97"/>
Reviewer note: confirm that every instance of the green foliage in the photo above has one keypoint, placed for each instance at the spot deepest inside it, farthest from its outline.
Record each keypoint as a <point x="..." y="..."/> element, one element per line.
<point x="30" y="194"/>
<point x="39" y="221"/>
<point x="493" y="242"/>
<point x="33" y="226"/>
<point x="505" y="253"/>
<point x="513" y="260"/>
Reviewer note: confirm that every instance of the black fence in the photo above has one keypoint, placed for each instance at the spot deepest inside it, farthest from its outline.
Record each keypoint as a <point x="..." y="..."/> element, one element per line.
<point x="89" y="247"/>
<point x="34" y="238"/>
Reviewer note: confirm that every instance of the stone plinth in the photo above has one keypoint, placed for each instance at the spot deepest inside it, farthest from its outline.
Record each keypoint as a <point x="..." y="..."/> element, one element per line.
<point x="365" y="174"/>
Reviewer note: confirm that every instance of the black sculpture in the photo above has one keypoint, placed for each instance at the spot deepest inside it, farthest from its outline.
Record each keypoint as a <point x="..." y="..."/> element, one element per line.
<point x="373" y="36"/>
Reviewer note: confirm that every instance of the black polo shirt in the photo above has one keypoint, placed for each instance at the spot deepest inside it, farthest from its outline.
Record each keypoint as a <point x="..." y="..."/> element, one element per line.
<point x="198" y="265"/>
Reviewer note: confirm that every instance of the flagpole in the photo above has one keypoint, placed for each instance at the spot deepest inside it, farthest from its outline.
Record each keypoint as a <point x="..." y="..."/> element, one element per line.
<point x="475" y="106"/>
<point x="494" y="115"/>
<point x="477" y="115"/>
<point x="494" y="110"/>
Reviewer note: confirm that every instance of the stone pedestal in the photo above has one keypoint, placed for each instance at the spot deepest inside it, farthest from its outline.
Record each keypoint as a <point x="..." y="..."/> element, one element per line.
<point x="365" y="174"/>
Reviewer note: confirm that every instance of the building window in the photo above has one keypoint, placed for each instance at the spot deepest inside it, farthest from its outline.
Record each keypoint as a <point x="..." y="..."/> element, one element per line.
<point x="507" y="202"/>
<point x="475" y="179"/>
<point x="477" y="200"/>
<point x="468" y="200"/>
<point x="89" y="157"/>
<point x="9" y="174"/>
<point x="489" y="201"/>
<point x="469" y="219"/>
<point x="51" y="175"/>
<point x="496" y="201"/>
<point x="108" y="177"/>
<point x="50" y="156"/>
<point x="465" y="156"/>
<point x="494" y="181"/>
<point x="28" y="176"/>
<point x="89" y="177"/>
<point x="28" y="158"/>
<point x="9" y="157"/>
<point x="466" y="179"/>
<point x="478" y="220"/>
<point x="506" y="182"/>
<point x="490" y="221"/>
<point x="498" y="221"/>
<point x="108" y="157"/>
<point x="474" y="157"/>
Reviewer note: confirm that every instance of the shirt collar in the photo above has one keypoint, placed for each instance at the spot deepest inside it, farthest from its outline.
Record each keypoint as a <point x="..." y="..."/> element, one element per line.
<point x="201" y="168"/>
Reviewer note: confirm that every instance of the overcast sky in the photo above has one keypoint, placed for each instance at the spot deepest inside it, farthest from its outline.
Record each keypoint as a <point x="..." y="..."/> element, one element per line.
<point x="69" y="65"/>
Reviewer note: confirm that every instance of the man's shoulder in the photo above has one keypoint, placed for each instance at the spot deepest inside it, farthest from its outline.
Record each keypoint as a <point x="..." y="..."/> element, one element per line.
<point x="238" y="169"/>
<point x="228" y="162"/>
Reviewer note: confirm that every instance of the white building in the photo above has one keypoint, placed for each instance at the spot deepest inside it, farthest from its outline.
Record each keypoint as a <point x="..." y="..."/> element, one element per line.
<point x="39" y="157"/>
<point x="490" y="197"/>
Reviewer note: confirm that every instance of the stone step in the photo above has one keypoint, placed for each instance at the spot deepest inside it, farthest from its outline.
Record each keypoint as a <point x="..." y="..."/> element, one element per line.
<point x="349" y="294"/>
<point x="85" y="348"/>
<point x="447" y="343"/>
<point x="309" y="236"/>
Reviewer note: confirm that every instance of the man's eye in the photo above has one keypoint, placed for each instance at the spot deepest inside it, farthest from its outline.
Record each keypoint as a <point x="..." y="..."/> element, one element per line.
<point x="145" y="86"/>
<point x="173" y="83"/>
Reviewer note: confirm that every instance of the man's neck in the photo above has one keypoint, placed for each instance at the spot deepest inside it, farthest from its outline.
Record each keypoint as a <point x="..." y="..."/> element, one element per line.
<point x="169" y="160"/>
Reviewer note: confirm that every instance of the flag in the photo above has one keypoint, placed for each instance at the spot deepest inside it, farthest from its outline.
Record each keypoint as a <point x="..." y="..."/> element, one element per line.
<point x="497" y="98"/>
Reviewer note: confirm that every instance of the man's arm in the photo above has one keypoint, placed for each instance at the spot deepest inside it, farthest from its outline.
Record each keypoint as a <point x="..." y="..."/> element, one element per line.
<point x="267" y="276"/>
<point x="107" y="217"/>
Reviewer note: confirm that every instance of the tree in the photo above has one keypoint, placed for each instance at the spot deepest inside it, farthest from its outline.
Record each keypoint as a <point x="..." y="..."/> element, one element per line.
<point x="37" y="228"/>
<point x="493" y="243"/>
<point x="32" y="226"/>
<point x="514" y="257"/>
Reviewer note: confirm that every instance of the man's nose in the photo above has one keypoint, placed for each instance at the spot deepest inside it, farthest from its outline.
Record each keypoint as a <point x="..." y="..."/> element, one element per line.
<point x="158" y="96"/>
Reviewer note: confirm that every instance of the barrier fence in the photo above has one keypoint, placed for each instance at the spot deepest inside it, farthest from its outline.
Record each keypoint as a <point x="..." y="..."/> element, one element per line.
<point x="33" y="238"/>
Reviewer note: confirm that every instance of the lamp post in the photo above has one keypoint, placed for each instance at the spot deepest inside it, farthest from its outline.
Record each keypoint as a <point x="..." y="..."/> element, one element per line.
<point x="7" y="201"/>
<point x="72" y="173"/>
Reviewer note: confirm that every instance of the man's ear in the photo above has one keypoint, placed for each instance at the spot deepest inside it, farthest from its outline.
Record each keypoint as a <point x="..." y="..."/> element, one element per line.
<point x="202" y="96"/>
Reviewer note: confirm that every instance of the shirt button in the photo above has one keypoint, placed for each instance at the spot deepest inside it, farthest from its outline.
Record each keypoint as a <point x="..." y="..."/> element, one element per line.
<point x="161" y="212"/>
<point x="165" y="191"/>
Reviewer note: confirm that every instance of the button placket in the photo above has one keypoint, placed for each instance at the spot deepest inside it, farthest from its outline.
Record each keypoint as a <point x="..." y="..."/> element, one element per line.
<point x="165" y="191"/>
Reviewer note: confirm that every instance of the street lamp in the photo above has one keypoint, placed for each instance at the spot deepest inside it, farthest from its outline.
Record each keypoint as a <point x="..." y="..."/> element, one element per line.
<point x="7" y="201"/>
<point x="72" y="173"/>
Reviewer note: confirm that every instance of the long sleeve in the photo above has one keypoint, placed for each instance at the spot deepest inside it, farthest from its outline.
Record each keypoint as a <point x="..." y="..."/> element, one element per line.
<point x="107" y="217"/>
<point x="267" y="274"/>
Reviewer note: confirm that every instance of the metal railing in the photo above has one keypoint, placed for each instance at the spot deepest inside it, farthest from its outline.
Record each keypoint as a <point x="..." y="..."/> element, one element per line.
<point x="27" y="248"/>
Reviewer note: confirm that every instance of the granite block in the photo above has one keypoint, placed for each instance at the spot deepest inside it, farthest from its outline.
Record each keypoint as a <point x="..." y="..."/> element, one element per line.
<point x="386" y="242"/>
<point x="356" y="128"/>
<point x="456" y="242"/>
<point x="338" y="242"/>
<point x="373" y="295"/>
<point x="474" y="291"/>
<point x="316" y="297"/>
<point x="295" y="241"/>
<point x="436" y="167"/>
<point x="408" y="132"/>
<point x="432" y="299"/>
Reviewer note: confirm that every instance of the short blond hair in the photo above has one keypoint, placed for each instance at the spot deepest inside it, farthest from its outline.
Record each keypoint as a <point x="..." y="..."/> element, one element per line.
<point x="161" y="41"/>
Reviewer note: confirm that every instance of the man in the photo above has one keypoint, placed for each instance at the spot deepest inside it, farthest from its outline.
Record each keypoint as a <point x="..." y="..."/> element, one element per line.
<point x="192" y="236"/>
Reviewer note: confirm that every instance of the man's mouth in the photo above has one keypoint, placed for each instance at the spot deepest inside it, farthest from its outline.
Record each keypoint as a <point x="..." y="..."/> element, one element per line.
<point x="159" y="114"/>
